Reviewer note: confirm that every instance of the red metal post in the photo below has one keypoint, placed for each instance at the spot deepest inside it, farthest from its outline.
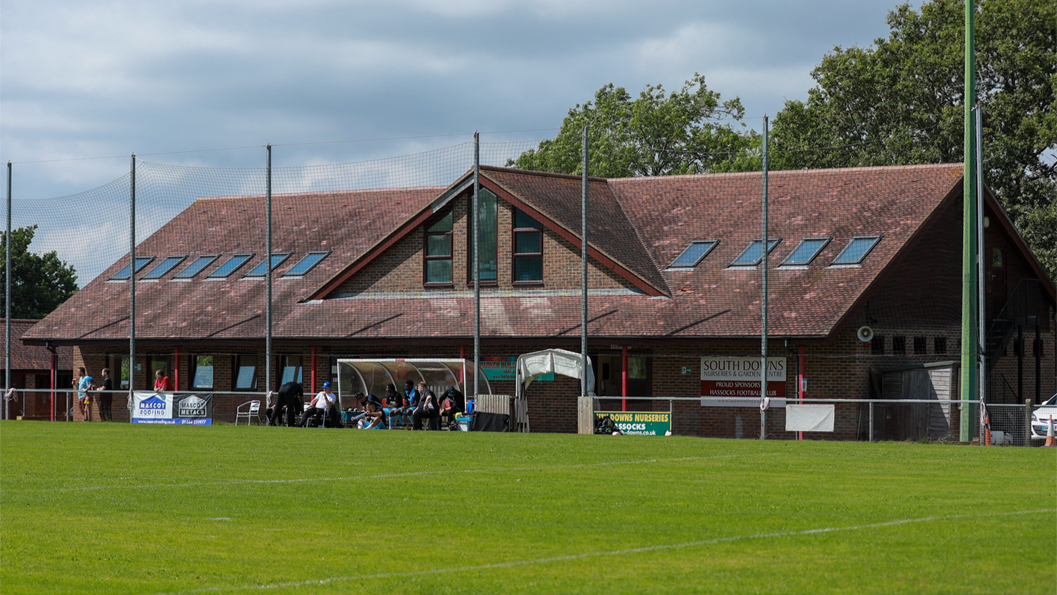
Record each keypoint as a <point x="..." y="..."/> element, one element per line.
<point x="800" y="383"/>
<point x="176" y="371"/>
<point x="462" y="371"/>
<point x="54" y="380"/>
<point x="624" y="378"/>
<point x="313" y="375"/>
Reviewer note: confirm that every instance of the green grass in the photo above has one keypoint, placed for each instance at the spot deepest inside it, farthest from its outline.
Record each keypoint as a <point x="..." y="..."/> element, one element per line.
<point x="117" y="508"/>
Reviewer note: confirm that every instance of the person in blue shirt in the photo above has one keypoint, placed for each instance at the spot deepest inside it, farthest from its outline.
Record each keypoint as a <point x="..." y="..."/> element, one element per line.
<point x="84" y="384"/>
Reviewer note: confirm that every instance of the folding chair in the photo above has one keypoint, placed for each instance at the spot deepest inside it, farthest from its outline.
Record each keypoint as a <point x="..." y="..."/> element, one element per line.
<point x="252" y="410"/>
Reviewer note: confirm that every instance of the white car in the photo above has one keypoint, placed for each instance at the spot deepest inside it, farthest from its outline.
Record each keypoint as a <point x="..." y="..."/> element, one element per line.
<point x="1041" y="417"/>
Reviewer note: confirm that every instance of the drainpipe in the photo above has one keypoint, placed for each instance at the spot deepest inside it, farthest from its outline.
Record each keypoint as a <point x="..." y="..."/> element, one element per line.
<point x="54" y="376"/>
<point x="800" y="383"/>
<point x="624" y="378"/>
<point x="313" y="369"/>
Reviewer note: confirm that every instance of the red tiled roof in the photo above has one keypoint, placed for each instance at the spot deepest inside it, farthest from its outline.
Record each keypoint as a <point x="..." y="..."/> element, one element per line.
<point x="30" y="357"/>
<point x="642" y="224"/>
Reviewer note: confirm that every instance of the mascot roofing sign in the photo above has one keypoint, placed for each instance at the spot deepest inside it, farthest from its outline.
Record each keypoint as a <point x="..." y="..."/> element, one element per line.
<point x="172" y="408"/>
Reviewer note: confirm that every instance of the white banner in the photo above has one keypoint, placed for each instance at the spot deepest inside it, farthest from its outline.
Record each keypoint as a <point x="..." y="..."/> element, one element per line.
<point x="151" y="406"/>
<point x="809" y="418"/>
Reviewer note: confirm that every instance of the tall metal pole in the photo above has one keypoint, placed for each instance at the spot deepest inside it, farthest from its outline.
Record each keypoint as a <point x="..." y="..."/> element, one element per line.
<point x="969" y="231"/>
<point x="132" y="286"/>
<point x="268" y="279"/>
<point x="583" y="269"/>
<point x="981" y="248"/>
<point x="7" y="300"/>
<point x="476" y="265"/>
<point x="763" y="297"/>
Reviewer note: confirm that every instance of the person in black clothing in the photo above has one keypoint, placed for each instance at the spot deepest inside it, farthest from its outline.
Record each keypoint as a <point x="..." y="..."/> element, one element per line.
<point x="428" y="408"/>
<point x="290" y="395"/>
<point x="106" y="398"/>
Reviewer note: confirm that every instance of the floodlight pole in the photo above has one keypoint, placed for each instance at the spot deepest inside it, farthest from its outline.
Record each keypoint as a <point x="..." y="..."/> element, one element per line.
<point x="268" y="279"/>
<point x="969" y="231"/>
<point x="980" y="249"/>
<point x="476" y="266"/>
<point x="763" y="296"/>
<point x="583" y="270"/>
<point x="7" y="300"/>
<point x="132" y="288"/>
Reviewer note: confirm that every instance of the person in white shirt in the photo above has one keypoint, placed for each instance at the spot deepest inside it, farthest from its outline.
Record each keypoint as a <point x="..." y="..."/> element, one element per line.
<point x="321" y="405"/>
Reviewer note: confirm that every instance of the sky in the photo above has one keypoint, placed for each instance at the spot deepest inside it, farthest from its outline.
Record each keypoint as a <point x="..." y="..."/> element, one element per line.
<point x="83" y="81"/>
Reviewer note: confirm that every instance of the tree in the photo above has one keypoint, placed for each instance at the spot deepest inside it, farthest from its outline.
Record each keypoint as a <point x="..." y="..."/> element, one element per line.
<point x="39" y="283"/>
<point x="656" y="134"/>
<point x="901" y="102"/>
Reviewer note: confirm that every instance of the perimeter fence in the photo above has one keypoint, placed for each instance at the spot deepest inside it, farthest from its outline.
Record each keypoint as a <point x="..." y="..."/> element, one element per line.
<point x="899" y="355"/>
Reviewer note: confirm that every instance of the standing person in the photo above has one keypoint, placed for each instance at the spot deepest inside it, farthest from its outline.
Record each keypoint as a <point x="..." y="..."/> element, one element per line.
<point x="162" y="382"/>
<point x="321" y="404"/>
<point x="290" y="396"/>
<point x="428" y="408"/>
<point x="84" y="384"/>
<point x="105" y="398"/>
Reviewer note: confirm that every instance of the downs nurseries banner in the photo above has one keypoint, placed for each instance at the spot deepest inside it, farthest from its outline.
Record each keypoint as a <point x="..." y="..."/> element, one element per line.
<point x="173" y="408"/>
<point x="735" y="381"/>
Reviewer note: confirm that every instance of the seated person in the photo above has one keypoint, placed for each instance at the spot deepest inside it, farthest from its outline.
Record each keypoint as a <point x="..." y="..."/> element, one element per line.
<point x="375" y="417"/>
<point x="320" y="406"/>
<point x="428" y="408"/>
<point x="450" y="406"/>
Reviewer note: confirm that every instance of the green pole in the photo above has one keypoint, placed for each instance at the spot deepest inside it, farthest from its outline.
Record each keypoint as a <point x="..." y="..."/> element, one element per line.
<point x="969" y="310"/>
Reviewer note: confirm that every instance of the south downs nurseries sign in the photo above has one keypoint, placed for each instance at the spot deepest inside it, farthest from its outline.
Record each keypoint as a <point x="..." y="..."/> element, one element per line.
<point x="735" y="381"/>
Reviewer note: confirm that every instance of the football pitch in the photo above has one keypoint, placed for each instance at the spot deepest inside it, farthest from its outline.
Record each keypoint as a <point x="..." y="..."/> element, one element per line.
<point x="117" y="508"/>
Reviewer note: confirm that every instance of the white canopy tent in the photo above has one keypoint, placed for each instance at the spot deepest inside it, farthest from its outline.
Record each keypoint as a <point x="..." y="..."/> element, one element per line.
<point x="533" y="365"/>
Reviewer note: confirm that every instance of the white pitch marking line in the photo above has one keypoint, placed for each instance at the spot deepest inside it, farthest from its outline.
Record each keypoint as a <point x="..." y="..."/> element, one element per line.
<point x="637" y="550"/>
<point x="383" y="475"/>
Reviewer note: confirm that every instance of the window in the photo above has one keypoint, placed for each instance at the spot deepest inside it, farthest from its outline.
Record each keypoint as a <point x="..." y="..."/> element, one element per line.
<point x="998" y="259"/>
<point x="202" y="374"/>
<point x="141" y="261"/>
<point x="754" y="253"/>
<point x="277" y="259"/>
<point x="119" y="371"/>
<point x="196" y="267"/>
<point x="160" y="362"/>
<point x="528" y="249"/>
<point x="245" y="372"/>
<point x="694" y="254"/>
<point x="806" y="252"/>
<point x="436" y="261"/>
<point x="899" y="345"/>
<point x="291" y="367"/>
<point x="939" y="345"/>
<point x="488" y="222"/>
<point x="230" y="266"/>
<point x="164" y="267"/>
<point x="920" y="346"/>
<point x="305" y="264"/>
<point x="857" y="250"/>
<point x="877" y="345"/>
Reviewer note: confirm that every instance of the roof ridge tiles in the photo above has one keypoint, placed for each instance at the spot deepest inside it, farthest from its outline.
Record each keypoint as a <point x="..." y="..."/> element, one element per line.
<point x="790" y="172"/>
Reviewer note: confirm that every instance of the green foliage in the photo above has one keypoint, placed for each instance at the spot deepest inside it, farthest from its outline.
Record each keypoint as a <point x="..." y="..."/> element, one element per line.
<point x="901" y="102"/>
<point x="656" y="134"/>
<point x="122" y="508"/>
<point x="39" y="283"/>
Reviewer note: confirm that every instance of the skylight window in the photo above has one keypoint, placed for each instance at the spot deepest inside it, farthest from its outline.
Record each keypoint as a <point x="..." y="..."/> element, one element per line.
<point x="164" y="267"/>
<point x="196" y="267"/>
<point x="754" y="253"/>
<point x="694" y="254"/>
<point x="277" y="259"/>
<point x="305" y="264"/>
<point x="230" y="266"/>
<point x="857" y="250"/>
<point x="141" y="261"/>
<point x="806" y="252"/>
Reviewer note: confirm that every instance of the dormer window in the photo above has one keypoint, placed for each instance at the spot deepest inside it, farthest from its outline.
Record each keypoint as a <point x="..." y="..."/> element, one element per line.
<point x="528" y="249"/>
<point x="694" y="254"/>
<point x="437" y="254"/>
<point x="857" y="250"/>
<point x="754" y="253"/>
